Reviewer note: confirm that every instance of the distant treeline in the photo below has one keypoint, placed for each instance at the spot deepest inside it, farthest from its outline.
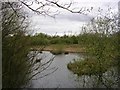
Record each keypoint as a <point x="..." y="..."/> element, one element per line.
<point x="44" y="39"/>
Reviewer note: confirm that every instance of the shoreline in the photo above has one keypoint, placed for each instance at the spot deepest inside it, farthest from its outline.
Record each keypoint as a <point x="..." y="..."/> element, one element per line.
<point x="65" y="48"/>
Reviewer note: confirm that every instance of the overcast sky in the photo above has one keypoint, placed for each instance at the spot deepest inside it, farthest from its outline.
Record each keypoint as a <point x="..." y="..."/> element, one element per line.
<point x="67" y="22"/>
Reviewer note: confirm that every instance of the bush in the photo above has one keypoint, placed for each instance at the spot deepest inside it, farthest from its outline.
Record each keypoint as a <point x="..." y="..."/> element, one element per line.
<point x="39" y="41"/>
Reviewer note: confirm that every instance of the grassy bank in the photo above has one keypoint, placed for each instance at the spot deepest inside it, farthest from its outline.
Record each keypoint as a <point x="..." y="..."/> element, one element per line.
<point x="73" y="48"/>
<point x="90" y="66"/>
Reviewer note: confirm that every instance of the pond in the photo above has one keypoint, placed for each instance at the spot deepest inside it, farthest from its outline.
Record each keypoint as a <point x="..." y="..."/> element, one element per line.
<point x="62" y="77"/>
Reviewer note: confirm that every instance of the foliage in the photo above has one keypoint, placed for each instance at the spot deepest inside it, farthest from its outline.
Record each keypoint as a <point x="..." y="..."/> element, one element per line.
<point x="43" y="39"/>
<point x="101" y="43"/>
<point x="15" y="44"/>
<point x="15" y="65"/>
<point x="89" y="66"/>
<point x="39" y="41"/>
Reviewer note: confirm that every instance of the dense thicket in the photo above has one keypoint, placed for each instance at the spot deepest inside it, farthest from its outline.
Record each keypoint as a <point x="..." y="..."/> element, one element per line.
<point x="15" y="44"/>
<point x="101" y="40"/>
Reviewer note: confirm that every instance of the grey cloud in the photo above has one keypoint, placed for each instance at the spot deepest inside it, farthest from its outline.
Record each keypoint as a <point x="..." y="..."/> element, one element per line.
<point x="65" y="21"/>
<point x="75" y="17"/>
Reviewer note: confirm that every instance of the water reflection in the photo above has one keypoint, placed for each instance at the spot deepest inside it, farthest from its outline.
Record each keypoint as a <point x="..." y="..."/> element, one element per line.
<point x="62" y="77"/>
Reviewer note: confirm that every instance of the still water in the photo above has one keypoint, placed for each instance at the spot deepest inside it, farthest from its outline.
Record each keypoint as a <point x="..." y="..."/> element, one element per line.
<point x="62" y="77"/>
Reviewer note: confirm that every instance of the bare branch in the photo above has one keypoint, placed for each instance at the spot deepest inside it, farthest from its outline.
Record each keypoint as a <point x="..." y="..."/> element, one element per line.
<point x="49" y="63"/>
<point x="46" y="74"/>
<point x="41" y="9"/>
<point x="66" y="8"/>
